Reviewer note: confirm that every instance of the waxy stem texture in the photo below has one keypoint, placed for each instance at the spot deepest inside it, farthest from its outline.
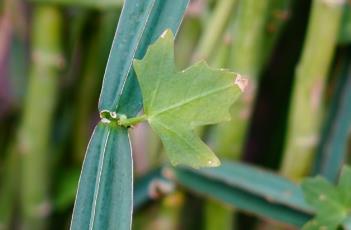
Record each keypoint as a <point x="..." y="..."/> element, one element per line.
<point x="306" y="106"/>
<point x="35" y="130"/>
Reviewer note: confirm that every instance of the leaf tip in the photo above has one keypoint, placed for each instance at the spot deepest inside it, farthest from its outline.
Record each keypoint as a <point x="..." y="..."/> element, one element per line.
<point x="241" y="82"/>
<point x="214" y="163"/>
<point x="136" y="62"/>
<point x="167" y="34"/>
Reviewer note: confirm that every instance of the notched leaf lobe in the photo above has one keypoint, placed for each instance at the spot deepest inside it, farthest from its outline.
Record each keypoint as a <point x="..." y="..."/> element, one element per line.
<point x="175" y="102"/>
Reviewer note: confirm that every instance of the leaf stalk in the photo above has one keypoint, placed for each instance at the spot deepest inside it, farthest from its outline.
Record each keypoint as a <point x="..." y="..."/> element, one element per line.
<point x="128" y="122"/>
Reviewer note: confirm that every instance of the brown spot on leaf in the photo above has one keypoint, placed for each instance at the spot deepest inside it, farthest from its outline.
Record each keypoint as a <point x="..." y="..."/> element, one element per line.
<point x="241" y="82"/>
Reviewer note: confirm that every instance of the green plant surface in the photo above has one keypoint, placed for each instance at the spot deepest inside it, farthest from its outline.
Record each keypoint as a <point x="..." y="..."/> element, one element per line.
<point x="33" y="143"/>
<point x="332" y="203"/>
<point x="104" y="198"/>
<point x="66" y="189"/>
<point x="68" y="185"/>
<point x="101" y="4"/>
<point x="278" y="14"/>
<point x="345" y="29"/>
<point x="141" y="23"/>
<point x="214" y="29"/>
<point x="9" y="189"/>
<point x="218" y="215"/>
<point x="251" y="44"/>
<point x="333" y="149"/>
<point x="97" y="53"/>
<point x="306" y="109"/>
<point x="186" y="40"/>
<point x="248" y="34"/>
<point x="249" y="189"/>
<point x="176" y="102"/>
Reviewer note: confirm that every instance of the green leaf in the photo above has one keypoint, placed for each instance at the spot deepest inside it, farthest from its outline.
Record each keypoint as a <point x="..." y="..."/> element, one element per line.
<point x="105" y="188"/>
<point x="104" y="197"/>
<point x="175" y="102"/>
<point x="140" y="23"/>
<point x="249" y="189"/>
<point x="320" y="193"/>
<point x="332" y="203"/>
<point x="334" y="143"/>
<point x="344" y="185"/>
<point x="316" y="225"/>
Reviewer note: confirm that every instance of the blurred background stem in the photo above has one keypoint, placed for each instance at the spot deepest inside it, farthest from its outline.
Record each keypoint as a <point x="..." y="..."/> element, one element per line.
<point x="257" y="26"/>
<point x="214" y="29"/>
<point x="35" y="129"/>
<point x="249" y="26"/>
<point x="307" y="108"/>
<point x="9" y="190"/>
<point x="52" y="114"/>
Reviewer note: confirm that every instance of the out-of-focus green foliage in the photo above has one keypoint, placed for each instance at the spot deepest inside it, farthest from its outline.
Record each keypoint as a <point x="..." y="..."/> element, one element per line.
<point x="332" y="203"/>
<point x="52" y="57"/>
<point x="173" y="108"/>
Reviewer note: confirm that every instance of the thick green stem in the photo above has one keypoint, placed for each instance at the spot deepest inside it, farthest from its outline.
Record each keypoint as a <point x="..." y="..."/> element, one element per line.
<point x="35" y="129"/>
<point x="218" y="216"/>
<point x="306" y="108"/>
<point x="214" y="29"/>
<point x="127" y="122"/>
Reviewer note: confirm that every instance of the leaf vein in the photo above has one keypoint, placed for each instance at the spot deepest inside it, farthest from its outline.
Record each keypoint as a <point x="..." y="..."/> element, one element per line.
<point x="184" y="102"/>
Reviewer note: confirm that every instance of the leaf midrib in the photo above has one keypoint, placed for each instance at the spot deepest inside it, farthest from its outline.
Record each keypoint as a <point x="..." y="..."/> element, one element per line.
<point x="184" y="102"/>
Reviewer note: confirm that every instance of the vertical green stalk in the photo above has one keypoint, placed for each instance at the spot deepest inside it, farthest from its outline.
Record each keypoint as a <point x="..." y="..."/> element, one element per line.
<point x="248" y="36"/>
<point x="186" y="40"/>
<point x="214" y="29"/>
<point x="251" y="46"/>
<point x="96" y="58"/>
<point x="310" y="77"/>
<point x="249" y="28"/>
<point x="217" y="215"/>
<point x="9" y="189"/>
<point x="214" y="212"/>
<point x="35" y="129"/>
